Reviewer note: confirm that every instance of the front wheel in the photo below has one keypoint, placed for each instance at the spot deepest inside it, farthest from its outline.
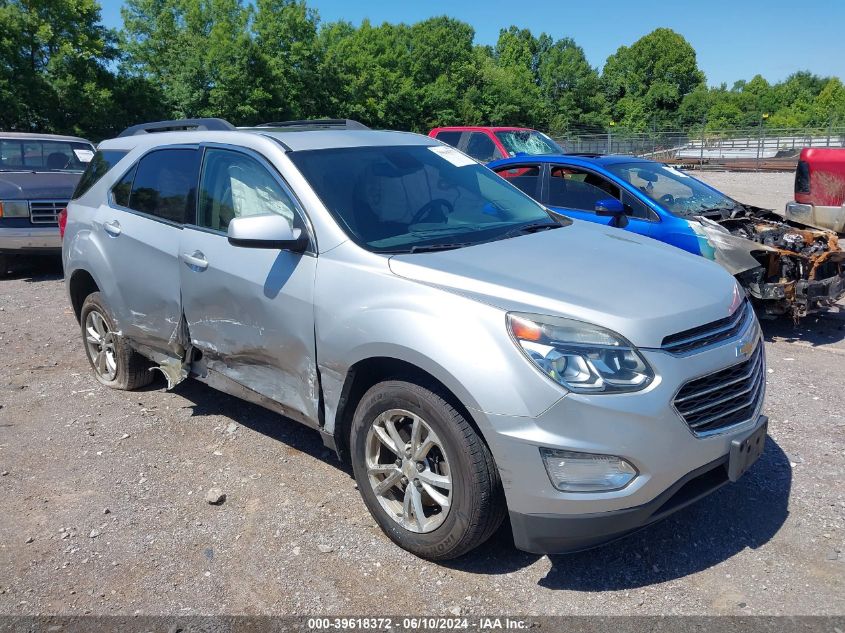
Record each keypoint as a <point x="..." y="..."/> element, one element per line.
<point x="425" y="474"/>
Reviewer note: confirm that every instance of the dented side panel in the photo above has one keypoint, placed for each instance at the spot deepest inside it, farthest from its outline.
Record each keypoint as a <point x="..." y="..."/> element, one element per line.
<point x="143" y="261"/>
<point x="250" y="313"/>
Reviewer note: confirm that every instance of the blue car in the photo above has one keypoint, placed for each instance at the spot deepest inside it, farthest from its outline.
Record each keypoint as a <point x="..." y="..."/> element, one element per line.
<point x="787" y="269"/>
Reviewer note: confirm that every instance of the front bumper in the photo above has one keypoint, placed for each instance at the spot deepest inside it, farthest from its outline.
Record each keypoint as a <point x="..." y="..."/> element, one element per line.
<point x="643" y="428"/>
<point x="820" y="216"/>
<point x="801" y="297"/>
<point x="37" y="239"/>
<point x="556" y="534"/>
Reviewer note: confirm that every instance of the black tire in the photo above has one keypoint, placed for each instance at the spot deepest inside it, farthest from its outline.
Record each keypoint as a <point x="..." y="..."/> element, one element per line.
<point x="477" y="505"/>
<point x="132" y="370"/>
<point x="4" y="265"/>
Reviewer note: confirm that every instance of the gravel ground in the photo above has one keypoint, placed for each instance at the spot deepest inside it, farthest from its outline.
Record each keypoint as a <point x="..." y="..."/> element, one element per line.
<point x="769" y="190"/>
<point x="104" y="507"/>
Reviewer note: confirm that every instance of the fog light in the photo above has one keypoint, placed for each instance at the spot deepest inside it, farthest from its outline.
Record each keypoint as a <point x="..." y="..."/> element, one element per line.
<point x="585" y="472"/>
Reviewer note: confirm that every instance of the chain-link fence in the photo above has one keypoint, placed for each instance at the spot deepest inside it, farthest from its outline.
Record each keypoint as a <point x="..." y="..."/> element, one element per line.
<point x="751" y="148"/>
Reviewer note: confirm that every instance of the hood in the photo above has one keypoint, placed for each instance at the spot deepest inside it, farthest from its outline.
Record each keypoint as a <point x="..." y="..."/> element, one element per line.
<point x="45" y="185"/>
<point x="636" y="286"/>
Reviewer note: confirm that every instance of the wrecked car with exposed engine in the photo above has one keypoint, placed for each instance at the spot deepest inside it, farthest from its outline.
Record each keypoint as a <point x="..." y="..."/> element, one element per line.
<point x="472" y="356"/>
<point x="786" y="268"/>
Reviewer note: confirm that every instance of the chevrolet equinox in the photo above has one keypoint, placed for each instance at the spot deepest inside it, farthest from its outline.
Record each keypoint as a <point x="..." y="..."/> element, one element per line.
<point x="473" y="355"/>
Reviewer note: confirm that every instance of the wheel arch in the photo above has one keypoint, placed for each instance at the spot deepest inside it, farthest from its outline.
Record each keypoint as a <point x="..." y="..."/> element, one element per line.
<point x="366" y="373"/>
<point x="80" y="285"/>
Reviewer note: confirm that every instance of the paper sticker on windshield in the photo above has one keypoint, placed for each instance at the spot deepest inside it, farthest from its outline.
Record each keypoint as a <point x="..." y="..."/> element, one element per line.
<point x="452" y="155"/>
<point x="84" y="155"/>
<point x="677" y="172"/>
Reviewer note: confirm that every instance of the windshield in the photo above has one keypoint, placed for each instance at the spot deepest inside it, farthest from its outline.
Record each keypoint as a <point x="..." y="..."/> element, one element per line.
<point x="21" y="154"/>
<point x="405" y="198"/>
<point x="529" y="142"/>
<point x="672" y="189"/>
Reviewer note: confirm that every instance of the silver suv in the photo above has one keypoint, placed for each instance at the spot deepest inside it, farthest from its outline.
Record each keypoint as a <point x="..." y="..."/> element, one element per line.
<point x="471" y="354"/>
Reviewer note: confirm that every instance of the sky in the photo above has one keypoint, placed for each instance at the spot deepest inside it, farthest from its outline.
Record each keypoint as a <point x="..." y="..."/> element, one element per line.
<point x="734" y="39"/>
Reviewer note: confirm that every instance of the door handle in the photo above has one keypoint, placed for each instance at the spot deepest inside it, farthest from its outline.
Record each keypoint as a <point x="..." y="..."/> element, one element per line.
<point x="112" y="228"/>
<point x="195" y="261"/>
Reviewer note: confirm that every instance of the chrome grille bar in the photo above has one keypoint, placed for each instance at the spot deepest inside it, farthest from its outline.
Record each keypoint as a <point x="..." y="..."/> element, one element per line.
<point x="725" y="398"/>
<point x="45" y="211"/>
<point x="705" y="335"/>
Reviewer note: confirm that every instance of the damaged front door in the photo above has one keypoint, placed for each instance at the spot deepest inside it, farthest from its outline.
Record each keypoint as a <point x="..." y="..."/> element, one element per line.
<point x="249" y="310"/>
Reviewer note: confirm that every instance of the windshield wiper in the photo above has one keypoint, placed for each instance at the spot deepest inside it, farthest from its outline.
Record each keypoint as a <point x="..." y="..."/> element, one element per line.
<point x="534" y="227"/>
<point x="428" y="248"/>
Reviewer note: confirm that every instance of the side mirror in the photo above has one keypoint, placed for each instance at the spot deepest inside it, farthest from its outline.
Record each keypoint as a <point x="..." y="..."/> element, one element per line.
<point x="615" y="209"/>
<point x="267" y="231"/>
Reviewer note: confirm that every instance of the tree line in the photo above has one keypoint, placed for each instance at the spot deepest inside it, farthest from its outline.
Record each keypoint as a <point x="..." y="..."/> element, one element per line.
<point x="62" y="70"/>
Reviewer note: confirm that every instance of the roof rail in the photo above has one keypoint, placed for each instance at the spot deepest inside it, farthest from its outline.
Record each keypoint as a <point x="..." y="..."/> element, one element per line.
<point x="178" y="125"/>
<point x="317" y="124"/>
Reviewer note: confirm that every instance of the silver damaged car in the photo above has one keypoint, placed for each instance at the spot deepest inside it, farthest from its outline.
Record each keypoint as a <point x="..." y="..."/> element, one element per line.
<point x="472" y="355"/>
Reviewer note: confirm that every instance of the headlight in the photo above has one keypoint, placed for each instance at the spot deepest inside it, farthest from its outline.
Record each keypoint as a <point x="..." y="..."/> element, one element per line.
<point x="582" y="357"/>
<point x="14" y="209"/>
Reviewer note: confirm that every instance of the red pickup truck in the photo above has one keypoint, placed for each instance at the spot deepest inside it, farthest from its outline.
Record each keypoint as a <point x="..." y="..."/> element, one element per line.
<point x="819" y="189"/>
<point x="486" y="143"/>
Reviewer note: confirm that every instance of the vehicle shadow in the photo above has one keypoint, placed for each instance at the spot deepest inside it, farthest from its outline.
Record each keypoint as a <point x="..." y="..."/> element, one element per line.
<point x="34" y="269"/>
<point x="208" y="401"/>
<point x="745" y="514"/>
<point x="822" y="328"/>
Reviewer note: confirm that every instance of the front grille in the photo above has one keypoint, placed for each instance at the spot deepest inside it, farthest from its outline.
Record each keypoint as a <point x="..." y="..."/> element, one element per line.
<point x="711" y="333"/>
<point x="725" y="398"/>
<point x="45" y="211"/>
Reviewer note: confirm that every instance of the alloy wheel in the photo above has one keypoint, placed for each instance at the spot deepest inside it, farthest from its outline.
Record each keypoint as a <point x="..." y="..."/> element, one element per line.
<point x="100" y="345"/>
<point x="408" y="470"/>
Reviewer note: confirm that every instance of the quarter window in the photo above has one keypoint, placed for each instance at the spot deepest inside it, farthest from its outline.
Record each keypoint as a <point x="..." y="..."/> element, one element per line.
<point x="98" y="167"/>
<point x="120" y="192"/>
<point x="235" y="186"/>
<point x="165" y="185"/>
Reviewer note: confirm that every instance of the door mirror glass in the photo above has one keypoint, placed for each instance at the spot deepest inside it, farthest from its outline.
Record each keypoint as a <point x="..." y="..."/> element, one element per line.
<point x="266" y="231"/>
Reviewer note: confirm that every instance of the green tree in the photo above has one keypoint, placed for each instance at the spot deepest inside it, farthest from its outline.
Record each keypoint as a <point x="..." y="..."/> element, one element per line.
<point x="53" y="66"/>
<point x="286" y="43"/>
<point x="497" y="95"/>
<point x="647" y="82"/>
<point x="201" y="53"/>
<point x="571" y="89"/>
<point x="368" y="74"/>
<point x="828" y="107"/>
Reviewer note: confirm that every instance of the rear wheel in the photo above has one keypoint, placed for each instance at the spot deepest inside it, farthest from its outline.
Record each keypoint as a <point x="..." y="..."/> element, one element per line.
<point x="114" y="362"/>
<point x="4" y="265"/>
<point x="424" y="473"/>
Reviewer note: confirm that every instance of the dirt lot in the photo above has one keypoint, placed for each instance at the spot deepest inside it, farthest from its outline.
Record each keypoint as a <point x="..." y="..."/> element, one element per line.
<point x="770" y="190"/>
<point x="104" y="506"/>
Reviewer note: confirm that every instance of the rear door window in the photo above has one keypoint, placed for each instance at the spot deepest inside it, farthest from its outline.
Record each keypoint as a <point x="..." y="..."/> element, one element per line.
<point x="524" y="177"/>
<point x="99" y="166"/>
<point x="482" y="148"/>
<point x="165" y="185"/>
